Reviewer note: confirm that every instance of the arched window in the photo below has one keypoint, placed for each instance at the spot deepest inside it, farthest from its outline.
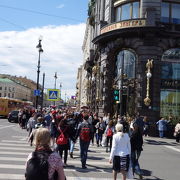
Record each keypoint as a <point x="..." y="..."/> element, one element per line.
<point x="126" y="60"/>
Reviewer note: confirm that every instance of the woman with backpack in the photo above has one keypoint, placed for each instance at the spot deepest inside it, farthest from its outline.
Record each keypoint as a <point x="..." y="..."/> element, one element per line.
<point x="109" y="134"/>
<point x="52" y="166"/>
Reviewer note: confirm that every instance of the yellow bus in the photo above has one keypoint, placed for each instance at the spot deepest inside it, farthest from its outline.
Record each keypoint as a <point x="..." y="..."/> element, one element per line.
<point x="9" y="104"/>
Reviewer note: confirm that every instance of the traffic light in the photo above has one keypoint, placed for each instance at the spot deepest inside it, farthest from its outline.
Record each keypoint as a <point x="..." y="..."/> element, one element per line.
<point x="116" y="95"/>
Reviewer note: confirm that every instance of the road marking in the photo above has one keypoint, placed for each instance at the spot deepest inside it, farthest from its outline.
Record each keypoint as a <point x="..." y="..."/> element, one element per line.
<point x="18" y="137"/>
<point x="13" y="153"/>
<point x="19" y="149"/>
<point x="14" y="141"/>
<point x="7" y="126"/>
<point x="22" y="177"/>
<point x="173" y="148"/>
<point x="70" y="162"/>
<point x="10" y="144"/>
<point x="12" y="176"/>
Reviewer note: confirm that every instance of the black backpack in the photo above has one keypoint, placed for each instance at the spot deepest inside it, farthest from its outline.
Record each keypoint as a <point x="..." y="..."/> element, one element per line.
<point x="37" y="166"/>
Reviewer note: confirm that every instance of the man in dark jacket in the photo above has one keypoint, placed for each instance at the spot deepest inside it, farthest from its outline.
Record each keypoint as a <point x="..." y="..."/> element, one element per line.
<point x="136" y="148"/>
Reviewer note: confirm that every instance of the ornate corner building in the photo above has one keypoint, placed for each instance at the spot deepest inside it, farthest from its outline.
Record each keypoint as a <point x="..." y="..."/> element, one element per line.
<point x="135" y="49"/>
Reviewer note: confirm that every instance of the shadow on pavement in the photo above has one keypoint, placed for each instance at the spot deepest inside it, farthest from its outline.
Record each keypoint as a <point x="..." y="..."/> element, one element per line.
<point x="156" y="142"/>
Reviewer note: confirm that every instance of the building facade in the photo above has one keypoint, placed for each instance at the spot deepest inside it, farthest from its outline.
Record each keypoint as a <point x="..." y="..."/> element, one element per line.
<point x="14" y="89"/>
<point x="137" y="52"/>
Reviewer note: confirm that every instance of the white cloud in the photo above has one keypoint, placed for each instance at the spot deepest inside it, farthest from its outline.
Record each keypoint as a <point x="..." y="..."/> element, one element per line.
<point x="62" y="54"/>
<point x="60" y="6"/>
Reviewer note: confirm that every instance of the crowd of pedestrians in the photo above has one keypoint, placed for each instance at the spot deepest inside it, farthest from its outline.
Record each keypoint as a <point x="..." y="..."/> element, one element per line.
<point x="122" y="137"/>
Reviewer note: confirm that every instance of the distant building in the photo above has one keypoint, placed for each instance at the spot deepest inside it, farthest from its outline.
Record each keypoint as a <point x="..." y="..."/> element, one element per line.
<point x="14" y="89"/>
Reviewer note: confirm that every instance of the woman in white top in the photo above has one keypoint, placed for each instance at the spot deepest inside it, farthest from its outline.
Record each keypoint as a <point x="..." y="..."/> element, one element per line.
<point x="120" y="152"/>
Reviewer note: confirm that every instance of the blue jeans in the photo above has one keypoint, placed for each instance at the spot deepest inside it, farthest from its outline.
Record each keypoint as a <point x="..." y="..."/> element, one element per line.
<point x="135" y="163"/>
<point x="71" y="146"/>
<point x="161" y="134"/>
<point x="83" y="151"/>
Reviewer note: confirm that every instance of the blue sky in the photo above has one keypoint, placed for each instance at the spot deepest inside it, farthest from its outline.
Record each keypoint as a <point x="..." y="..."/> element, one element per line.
<point x="62" y="29"/>
<point x="22" y="14"/>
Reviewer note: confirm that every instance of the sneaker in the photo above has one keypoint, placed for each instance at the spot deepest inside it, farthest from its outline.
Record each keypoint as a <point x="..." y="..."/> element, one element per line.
<point x="84" y="167"/>
<point x="71" y="155"/>
<point x="140" y="176"/>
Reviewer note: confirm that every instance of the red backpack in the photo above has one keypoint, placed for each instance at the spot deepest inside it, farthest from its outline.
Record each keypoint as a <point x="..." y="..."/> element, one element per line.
<point x="85" y="133"/>
<point x="62" y="139"/>
<point x="109" y="132"/>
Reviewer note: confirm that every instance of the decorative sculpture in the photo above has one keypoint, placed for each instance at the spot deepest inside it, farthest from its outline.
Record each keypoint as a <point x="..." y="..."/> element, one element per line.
<point x="149" y="66"/>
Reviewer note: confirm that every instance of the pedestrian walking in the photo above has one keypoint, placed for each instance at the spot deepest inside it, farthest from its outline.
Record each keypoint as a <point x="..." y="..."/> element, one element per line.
<point x="120" y="152"/>
<point x="52" y="165"/>
<point x="136" y="148"/>
<point x="63" y="140"/>
<point x="146" y="126"/>
<point x="100" y="128"/>
<point x="162" y="127"/>
<point x="109" y="134"/>
<point x="85" y="132"/>
<point x="177" y="132"/>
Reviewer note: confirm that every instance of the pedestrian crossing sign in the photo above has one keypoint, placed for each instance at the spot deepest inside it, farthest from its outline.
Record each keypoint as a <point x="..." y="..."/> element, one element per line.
<point x="53" y="94"/>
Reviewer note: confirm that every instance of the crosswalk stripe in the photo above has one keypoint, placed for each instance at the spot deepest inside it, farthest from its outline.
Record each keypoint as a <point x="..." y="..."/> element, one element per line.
<point x="14" y="141"/>
<point x="3" y="127"/>
<point x="13" y="153"/>
<point x="11" y="144"/>
<point x="71" y="162"/>
<point x="12" y="176"/>
<point x="18" y="149"/>
<point x="21" y="177"/>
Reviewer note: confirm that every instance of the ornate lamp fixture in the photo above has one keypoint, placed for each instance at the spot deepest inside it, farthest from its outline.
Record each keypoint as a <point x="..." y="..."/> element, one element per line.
<point x="149" y="65"/>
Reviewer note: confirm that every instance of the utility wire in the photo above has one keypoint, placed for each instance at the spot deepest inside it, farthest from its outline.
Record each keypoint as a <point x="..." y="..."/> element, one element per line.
<point x="9" y="22"/>
<point x="37" y="12"/>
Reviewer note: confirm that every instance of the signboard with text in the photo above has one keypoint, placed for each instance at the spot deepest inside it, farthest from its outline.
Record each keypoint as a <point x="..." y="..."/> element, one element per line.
<point x="124" y="24"/>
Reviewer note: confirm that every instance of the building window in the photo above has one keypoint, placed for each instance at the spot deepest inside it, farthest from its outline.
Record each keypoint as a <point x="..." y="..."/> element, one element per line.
<point x="170" y="13"/>
<point x="0" y="88"/>
<point x="170" y="84"/>
<point x="0" y="95"/>
<point x="127" y="59"/>
<point x="4" y="94"/>
<point x="5" y="88"/>
<point x="12" y="95"/>
<point x="127" y="11"/>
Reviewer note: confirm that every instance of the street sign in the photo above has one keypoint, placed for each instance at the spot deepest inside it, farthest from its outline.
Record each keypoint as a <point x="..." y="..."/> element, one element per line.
<point x="37" y="92"/>
<point x="53" y="94"/>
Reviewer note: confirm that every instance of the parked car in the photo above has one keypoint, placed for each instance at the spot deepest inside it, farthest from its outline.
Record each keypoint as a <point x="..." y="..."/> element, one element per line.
<point x="13" y="116"/>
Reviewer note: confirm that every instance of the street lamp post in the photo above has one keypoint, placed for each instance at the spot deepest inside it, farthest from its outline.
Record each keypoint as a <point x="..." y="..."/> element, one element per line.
<point x="40" y="50"/>
<point x="60" y="89"/>
<point x="55" y="78"/>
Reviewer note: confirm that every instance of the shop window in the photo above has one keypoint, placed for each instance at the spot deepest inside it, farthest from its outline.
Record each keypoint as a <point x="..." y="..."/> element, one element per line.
<point x="0" y="95"/>
<point x="170" y="13"/>
<point x="170" y="104"/>
<point x="127" y="11"/>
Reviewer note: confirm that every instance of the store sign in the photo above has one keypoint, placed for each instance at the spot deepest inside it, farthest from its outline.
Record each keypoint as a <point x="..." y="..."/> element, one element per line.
<point x="170" y="84"/>
<point x="123" y="24"/>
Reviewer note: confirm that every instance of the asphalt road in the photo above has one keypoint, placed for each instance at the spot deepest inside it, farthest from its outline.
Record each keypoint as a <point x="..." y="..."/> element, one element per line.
<point x="159" y="160"/>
